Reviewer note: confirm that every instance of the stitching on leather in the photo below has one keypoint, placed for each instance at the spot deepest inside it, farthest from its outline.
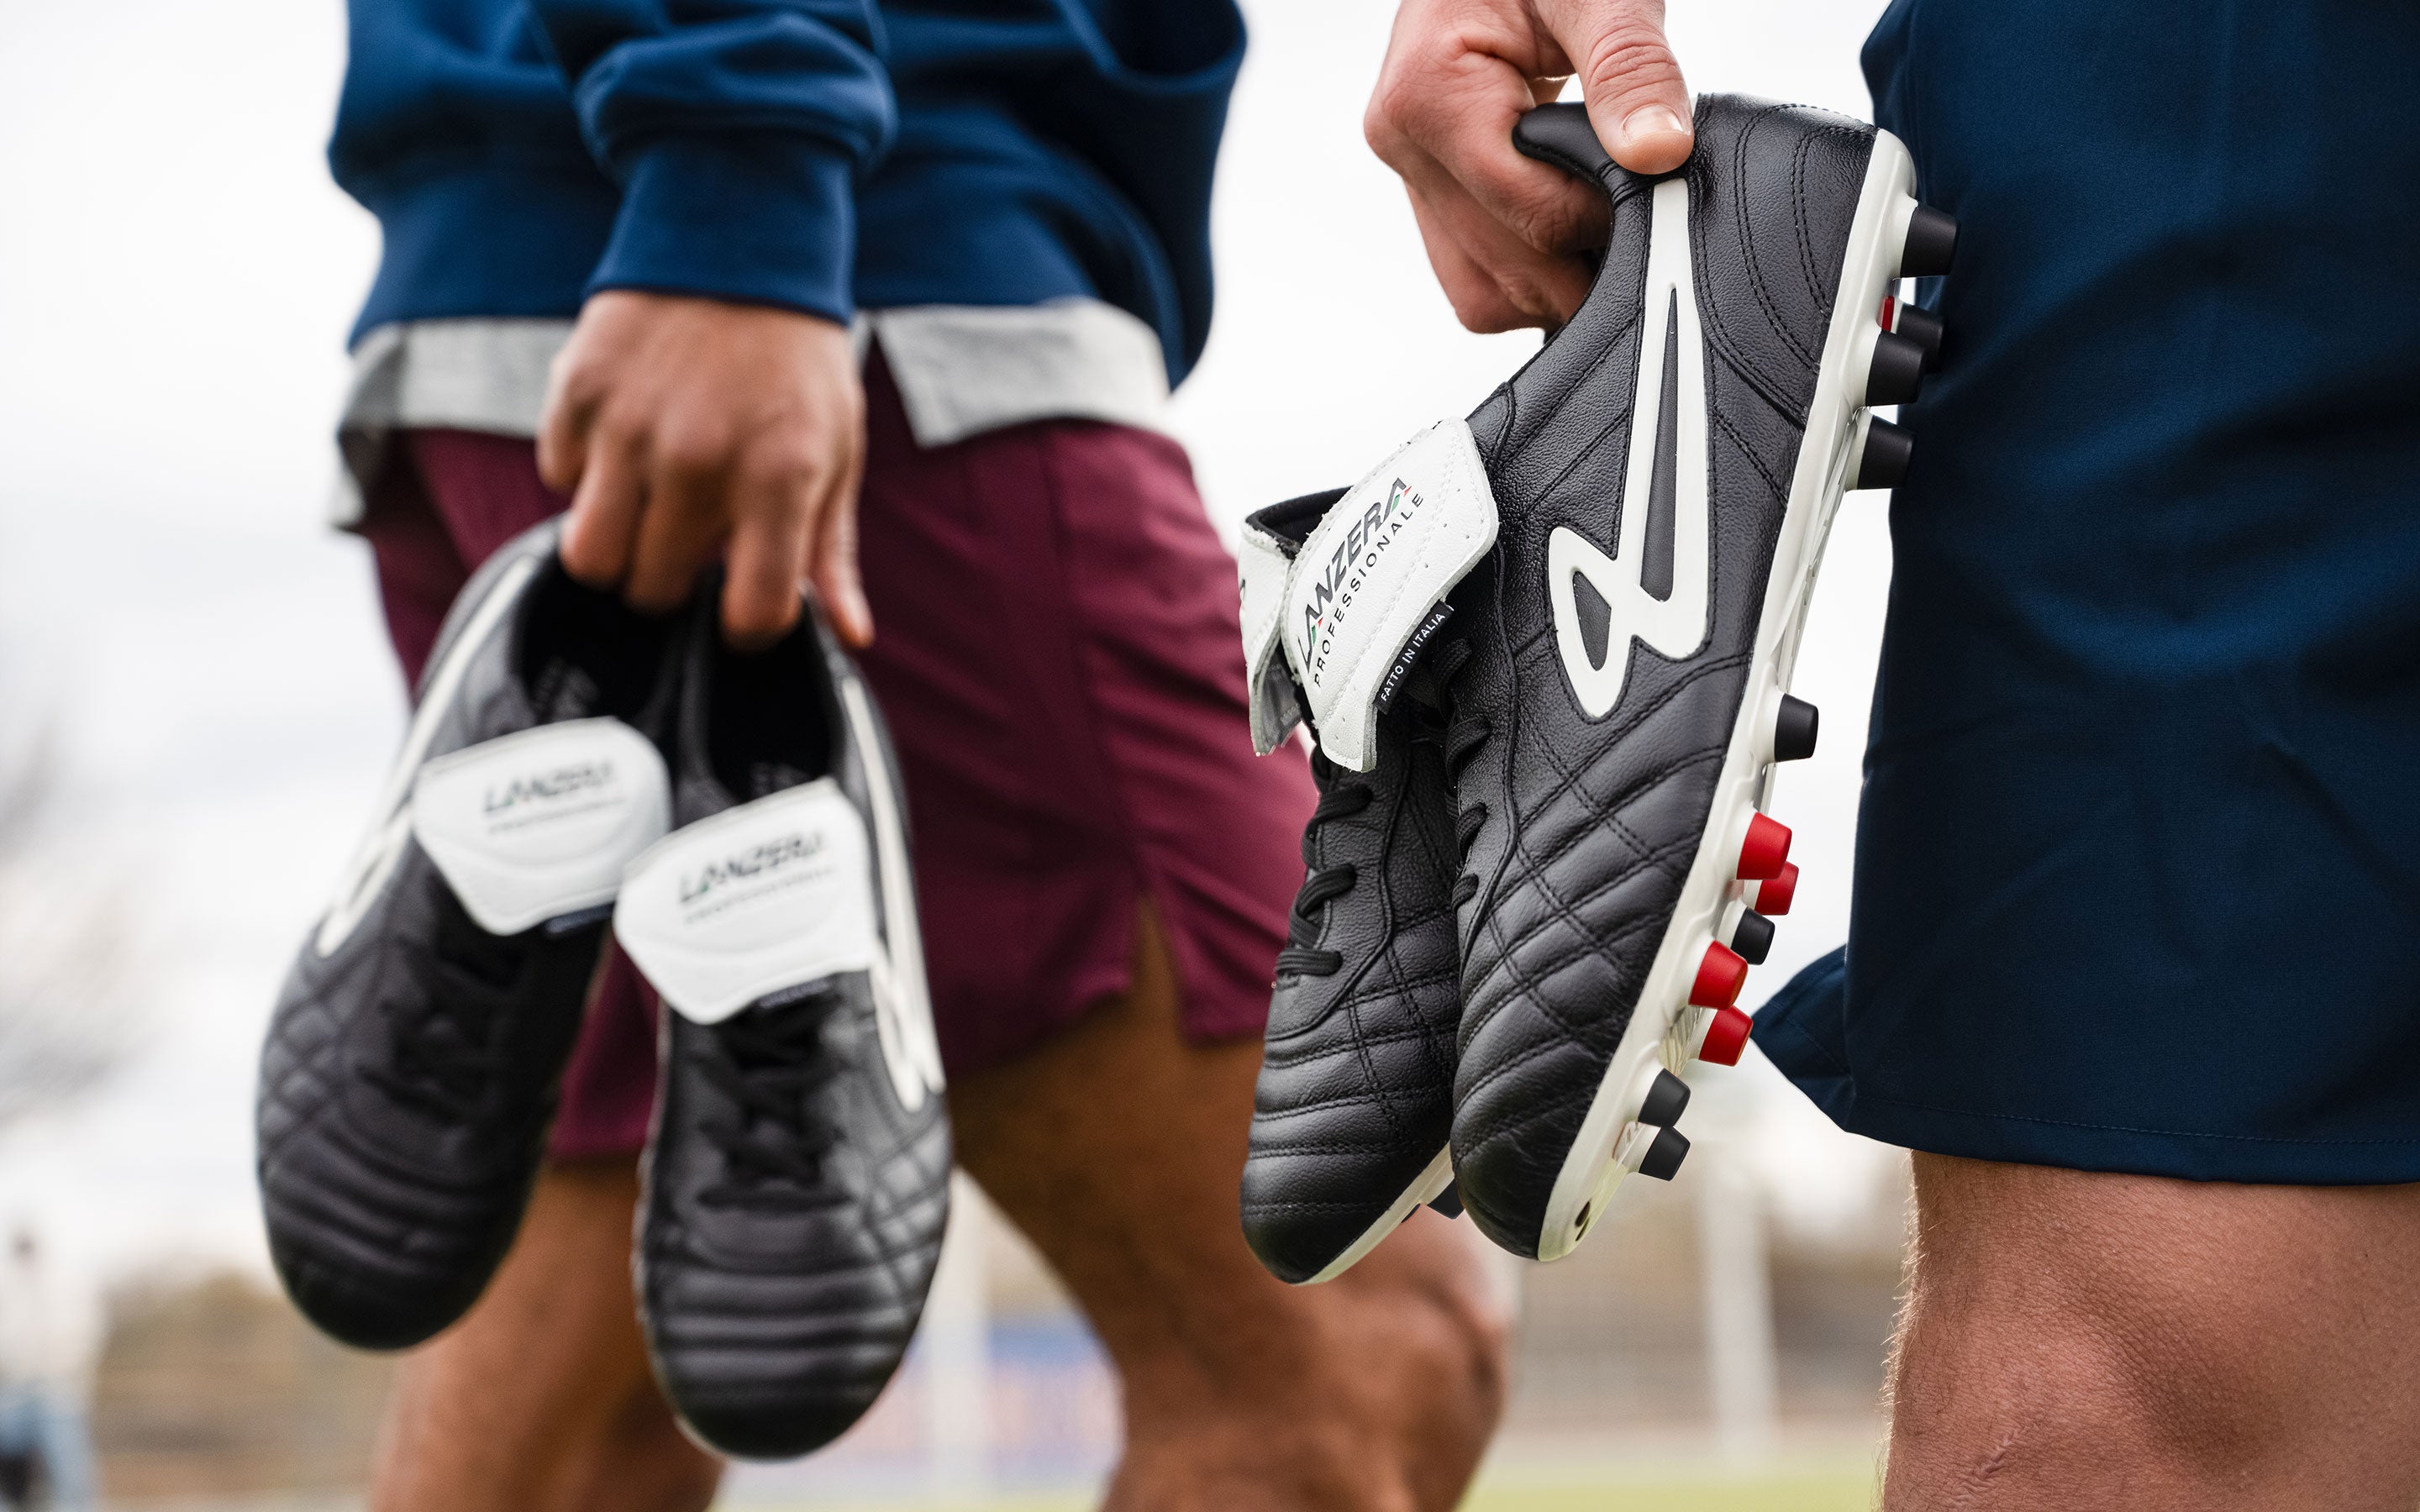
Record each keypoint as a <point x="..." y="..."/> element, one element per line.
<point x="1747" y="240"/>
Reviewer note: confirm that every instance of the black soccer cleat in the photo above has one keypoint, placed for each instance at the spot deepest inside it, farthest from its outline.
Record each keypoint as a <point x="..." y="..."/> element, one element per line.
<point x="411" y="1067"/>
<point x="797" y="1176"/>
<point x="1664" y="471"/>
<point x="1354" y="1105"/>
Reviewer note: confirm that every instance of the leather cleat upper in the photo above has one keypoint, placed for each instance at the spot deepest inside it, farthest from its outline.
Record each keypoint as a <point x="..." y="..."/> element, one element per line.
<point x="1353" y="1103"/>
<point x="410" y="1071"/>
<point x="796" y="1177"/>
<point x="1664" y="471"/>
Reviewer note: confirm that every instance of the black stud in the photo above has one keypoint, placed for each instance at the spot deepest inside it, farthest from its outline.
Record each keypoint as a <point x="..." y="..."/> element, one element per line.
<point x="1932" y="244"/>
<point x="1664" y="1100"/>
<point x="1922" y="327"/>
<point x="1794" y="730"/>
<point x="1665" y="1155"/>
<point x="1898" y="371"/>
<point x="1752" y="937"/>
<point x="1883" y="463"/>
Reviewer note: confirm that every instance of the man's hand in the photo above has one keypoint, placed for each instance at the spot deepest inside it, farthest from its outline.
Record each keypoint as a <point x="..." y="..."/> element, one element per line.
<point x="684" y="426"/>
<point x="1501" y="230"/>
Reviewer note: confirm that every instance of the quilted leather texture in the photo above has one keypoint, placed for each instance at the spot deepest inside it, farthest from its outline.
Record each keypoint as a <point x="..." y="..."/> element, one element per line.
<point x="1354" y="1097"/>
<point x="794" y="1208"/>
<point x="1586" y="830"/>
<point x="409" y="1077"/>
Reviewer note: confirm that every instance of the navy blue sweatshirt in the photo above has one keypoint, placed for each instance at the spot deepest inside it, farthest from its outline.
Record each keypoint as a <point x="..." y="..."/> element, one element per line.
<point x="810" y="154"/>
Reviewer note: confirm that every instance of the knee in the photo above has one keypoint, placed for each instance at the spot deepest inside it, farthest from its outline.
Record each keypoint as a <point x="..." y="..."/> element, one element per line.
<point x="1413" y="1365"/>
<point x="2065" y="1328"/>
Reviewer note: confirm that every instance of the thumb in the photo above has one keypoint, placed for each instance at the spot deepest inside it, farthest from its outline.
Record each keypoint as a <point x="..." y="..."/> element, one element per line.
<point x="1637" y="99"/>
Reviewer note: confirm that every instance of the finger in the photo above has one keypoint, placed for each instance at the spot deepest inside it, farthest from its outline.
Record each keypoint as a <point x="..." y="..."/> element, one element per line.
<point x="563" y="430"/>
<point x="1458" y="131"/>
<point x="600" y="530"/>
<point x="767" y="561"/>
<point x="686" y="514"/>
<point x="1495" y="281"/>
<point x="833" y="567"/>
<point x="1636" y="99"/>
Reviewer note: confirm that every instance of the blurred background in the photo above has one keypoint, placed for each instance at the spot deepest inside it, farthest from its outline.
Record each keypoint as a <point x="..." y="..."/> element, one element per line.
<point x="197" y="706"/>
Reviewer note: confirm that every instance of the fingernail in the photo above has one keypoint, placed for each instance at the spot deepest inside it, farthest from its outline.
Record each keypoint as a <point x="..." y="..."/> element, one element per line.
<point x="1650" y="120"/>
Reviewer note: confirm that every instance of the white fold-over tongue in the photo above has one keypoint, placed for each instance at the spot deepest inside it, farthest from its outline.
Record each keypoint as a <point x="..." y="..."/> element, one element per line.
<point x="775" y="893"/>
<point x="533" y="826"/>
<point x="1262" y="565"/>
<point x="1368" y="588"/>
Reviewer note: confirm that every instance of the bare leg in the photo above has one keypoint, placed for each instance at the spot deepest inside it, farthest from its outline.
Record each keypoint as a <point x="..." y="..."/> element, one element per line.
<point x="540" y="1401"/>
<point x="2076" y="1341"/>
<point x="1119" y="1148"/>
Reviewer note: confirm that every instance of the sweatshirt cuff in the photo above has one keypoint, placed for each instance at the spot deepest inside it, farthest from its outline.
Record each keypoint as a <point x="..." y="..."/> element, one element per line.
<point x="754" y="220"/>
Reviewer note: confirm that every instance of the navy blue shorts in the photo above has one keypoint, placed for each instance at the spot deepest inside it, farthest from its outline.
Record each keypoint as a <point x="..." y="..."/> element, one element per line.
<point x="2138" y="862"/>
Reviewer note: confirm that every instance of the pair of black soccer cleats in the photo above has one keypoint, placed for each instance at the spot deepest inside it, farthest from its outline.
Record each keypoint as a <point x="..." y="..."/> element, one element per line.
<point x="736" y="820"/>
<point x="1545" y="653"/>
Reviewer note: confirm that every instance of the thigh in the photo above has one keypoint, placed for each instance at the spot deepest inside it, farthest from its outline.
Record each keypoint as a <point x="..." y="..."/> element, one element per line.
<point x="2078" y="1339"/>
<point x="1118" y="1147"/>
<point x="541" y="1399"/>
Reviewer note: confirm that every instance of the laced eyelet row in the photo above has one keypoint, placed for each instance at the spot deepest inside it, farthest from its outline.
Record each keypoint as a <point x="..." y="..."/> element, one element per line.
<point x="1463" y="736"/>
<point x="1340" y="797"/>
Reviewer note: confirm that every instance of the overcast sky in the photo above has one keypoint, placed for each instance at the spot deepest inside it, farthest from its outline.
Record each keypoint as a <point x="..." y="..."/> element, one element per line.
<point x="177" y="275"/>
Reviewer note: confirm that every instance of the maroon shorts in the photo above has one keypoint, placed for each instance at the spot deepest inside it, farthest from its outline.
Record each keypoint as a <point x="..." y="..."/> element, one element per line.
<point x="1059" y="659"/>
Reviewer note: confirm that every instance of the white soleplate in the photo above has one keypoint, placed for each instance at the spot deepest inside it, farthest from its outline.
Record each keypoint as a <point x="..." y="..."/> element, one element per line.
<point x="1432" y="1180"/>
<point x="773" y="894"/>
<point x="537" y="824"/>
<point x="1665" y="1029"/>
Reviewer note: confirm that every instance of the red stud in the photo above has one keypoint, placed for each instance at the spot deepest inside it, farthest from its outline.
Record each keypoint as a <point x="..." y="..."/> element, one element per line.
<point x="1773" y="896"/>
<point x="1890" y="311"/>
<point x="1765" y="851"/>
<point x="1725" y="1037"/>
<point x="1720" y="977"/>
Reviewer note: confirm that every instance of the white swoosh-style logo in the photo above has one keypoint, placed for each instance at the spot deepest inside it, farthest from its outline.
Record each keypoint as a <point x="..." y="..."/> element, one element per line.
<point x="903" y="1005"/>
<point x="1674" y="625"/>
<point x="375" y="860"/>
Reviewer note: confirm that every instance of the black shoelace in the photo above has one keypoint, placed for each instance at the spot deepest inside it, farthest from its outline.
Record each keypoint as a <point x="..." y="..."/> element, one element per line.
<point x="1464" y="736"/>
<point x="1341" y="796"/>
<point x="770" y="1066"/>
<point x="446" y="1060"/>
